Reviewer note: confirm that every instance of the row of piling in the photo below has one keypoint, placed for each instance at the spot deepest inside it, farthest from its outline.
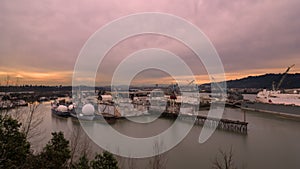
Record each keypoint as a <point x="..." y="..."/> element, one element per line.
<point x="222" y="124"/>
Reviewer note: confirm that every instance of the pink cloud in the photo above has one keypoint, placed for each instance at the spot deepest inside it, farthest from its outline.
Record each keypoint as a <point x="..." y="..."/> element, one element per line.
<point x="46" y="36"/>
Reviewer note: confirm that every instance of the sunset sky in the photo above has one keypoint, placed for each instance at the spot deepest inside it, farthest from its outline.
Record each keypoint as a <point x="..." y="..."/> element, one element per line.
<point x="40" y="40"/>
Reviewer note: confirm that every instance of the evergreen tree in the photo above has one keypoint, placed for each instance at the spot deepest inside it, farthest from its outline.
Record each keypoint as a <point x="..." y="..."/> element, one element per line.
<point x="15" y="151"/>
<point x="56" y="153"/>
<point x="14" y="148"/>
<point x="83" y="163"/>
<point x="104" y="161"/>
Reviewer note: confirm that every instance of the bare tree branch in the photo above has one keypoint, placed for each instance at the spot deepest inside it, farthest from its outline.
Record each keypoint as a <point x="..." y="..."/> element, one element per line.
<point x="159" y="161"/>
<point x="31" y="118"/>
<point x="225" y="161"/>
<point x="79" y="143"/>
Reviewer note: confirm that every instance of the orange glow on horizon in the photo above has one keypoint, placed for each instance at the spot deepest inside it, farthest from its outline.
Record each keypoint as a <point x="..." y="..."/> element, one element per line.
<point x="65" y="77"/>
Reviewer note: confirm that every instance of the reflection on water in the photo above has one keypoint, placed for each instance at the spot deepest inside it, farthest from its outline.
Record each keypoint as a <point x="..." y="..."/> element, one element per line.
<point x="272" y="141"/>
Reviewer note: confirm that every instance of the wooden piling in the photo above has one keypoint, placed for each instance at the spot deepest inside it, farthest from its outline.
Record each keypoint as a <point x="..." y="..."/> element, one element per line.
<point x="222" y="124"/>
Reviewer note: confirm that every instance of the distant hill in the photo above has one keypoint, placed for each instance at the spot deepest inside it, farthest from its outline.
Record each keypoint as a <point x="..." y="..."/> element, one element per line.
<point x="265" y="81"/>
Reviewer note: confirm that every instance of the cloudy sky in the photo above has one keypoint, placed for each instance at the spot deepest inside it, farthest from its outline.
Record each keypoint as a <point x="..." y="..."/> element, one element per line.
<point x="40" y="40"/>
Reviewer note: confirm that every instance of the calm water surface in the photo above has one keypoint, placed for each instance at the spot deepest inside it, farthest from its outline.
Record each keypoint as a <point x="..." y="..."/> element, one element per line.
<point x="272" y="141"/>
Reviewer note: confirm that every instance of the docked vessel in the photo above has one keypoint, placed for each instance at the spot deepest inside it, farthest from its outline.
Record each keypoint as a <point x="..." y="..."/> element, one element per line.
<point x="6" y="104"/>
<point x="61" y="108"/>
<point x="275" y="101"/>
<point x="106" y="112"/>
<point x="92" y="112"/>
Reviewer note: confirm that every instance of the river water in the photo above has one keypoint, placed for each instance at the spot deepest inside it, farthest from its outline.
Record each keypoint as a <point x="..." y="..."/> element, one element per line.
<point x="272" y="141"/>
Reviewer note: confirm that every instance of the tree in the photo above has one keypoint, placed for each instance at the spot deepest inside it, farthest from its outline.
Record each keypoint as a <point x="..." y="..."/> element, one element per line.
<point x="56" y="153"/>
<point x="79" y="144"/>
<point x="14" y="148"/>
<point x="225" y="161"/>
<point x="30" y="118"/>
<point x="159" y="160"/>
<point x="104" y="161"/>
<point x="83" y="163"/>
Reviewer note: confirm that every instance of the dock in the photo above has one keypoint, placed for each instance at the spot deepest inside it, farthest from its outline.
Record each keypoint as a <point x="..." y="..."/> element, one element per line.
<point x="173" y="112"/>
<point x="222" y="124"/>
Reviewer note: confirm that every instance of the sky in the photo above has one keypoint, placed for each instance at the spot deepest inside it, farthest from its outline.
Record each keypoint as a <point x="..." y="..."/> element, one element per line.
<point x="41" y="40"/>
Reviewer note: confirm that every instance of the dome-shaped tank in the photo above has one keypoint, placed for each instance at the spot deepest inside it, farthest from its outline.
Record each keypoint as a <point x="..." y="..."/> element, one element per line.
<point x="88" y="110"/>
<point x="62" y="108"/>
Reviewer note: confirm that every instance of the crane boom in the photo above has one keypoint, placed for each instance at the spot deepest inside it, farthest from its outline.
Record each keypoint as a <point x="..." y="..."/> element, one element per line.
<point x="191" y="82"/>
<point x="284" y="76"/>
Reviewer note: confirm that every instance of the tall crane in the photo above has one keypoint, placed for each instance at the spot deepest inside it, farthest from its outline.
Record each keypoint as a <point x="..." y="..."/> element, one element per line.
<point x="284" y="76"/>
<point x="190" y="82"/>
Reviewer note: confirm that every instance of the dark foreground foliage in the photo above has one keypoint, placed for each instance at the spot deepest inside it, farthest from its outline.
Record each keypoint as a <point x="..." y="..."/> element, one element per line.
<point x="15" y="151"/>
<point x="14" y="148"/>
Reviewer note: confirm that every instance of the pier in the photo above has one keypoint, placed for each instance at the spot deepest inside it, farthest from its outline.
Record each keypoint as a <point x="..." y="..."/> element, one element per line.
<point x="172" y="111"/>
<point x="222" y="124"/>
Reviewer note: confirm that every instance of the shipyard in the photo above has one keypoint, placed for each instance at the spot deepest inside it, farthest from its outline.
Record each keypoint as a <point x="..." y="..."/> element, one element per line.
<point x="185" y="104"/>
<point x="141" y="84"/>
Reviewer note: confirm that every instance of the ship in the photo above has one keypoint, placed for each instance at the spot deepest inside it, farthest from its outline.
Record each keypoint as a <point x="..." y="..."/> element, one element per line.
<point x="61" y="107"/>
<point x="275" y="101"/>
<point x="89" y="109"/>
<point x="61" y="110"/>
